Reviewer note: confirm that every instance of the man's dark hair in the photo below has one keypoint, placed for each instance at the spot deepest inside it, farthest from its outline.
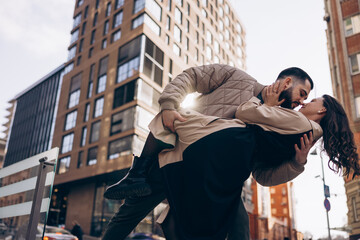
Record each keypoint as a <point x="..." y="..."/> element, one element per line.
<point x="296" y="72"/>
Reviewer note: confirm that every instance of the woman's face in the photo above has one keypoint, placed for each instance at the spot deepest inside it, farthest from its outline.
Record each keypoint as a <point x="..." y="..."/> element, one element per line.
<point x="313" y="108"/>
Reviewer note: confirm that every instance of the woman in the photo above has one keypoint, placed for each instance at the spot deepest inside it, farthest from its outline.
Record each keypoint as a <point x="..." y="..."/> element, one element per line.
<point x="213" y="156"/>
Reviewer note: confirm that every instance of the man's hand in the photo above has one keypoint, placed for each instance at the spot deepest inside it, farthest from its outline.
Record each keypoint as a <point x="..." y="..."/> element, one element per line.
<point x="305" y="144"/>
<point x="272" y="94"/>
<point x="168" y="118"/>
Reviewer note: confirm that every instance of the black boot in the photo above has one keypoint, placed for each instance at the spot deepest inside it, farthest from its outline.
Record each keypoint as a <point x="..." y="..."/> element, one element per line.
<point x="134" y="184"/>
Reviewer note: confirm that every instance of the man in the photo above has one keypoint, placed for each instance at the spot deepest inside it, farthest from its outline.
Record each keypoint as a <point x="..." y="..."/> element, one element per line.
<point x="223" y="89"/>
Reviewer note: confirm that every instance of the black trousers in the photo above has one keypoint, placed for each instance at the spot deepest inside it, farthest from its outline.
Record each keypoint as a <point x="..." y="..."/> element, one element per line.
<point x="135" y="209"/>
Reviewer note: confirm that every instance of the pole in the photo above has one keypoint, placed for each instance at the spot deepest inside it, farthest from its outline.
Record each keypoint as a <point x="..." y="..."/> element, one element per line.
<point x="327" y="213"/>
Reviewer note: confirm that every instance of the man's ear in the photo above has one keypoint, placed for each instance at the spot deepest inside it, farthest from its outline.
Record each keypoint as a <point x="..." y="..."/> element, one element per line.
<point x="288" y="82"/>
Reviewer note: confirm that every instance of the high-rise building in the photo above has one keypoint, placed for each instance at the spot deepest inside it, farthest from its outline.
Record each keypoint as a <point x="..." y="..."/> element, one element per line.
<point x="2" y="151"/>
<point x="343" y="37"/>
<point x="32" y="118"/>
<point x="121" y="55"/>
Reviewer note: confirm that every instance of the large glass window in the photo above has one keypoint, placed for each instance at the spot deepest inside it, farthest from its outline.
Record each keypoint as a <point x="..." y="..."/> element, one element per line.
<point x="168" y="22"/>
<point x="138" y="5"/>
<point x="64" y="164"/>
<point x="79" y="3"/>
<point x="92" y="156"/>
<point x="70" y="121"/>
<point x="153" y="62"/>
<point x="148" y="94"/>
<point x="74" y="36"/>
<point x="128" y="69"/>
<point x="118" y="19"/>
<point x="144" y="18"/>
<point x="95" y="132"/>
<point x="67" y="143"/>
<point x="102" y="75"/>
<point x="101" y="84"/>
<point x="106" y="27"/>
<point x="176" y="49"/>
<point x="119" y="147"/>
<point x="77" y="20"/>
<point x="99" y="106"/>
<point x="122" y="121"/>
<point x="355" y="63"/>
<point x="124" y="94"/>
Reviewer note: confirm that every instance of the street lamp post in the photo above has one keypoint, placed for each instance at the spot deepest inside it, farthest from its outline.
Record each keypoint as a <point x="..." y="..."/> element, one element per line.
<point x="325" y="187"/>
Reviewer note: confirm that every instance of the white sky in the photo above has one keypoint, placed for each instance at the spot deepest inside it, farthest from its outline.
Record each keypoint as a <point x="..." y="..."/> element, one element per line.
<point x="34" y="36"/>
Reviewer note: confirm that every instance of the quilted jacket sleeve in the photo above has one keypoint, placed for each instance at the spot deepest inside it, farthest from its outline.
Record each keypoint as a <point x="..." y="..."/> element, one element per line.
<point x="202" y="79"/>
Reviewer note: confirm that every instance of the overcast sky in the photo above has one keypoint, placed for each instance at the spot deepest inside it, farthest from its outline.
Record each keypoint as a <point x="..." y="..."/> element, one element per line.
<point x="34" y="36"/>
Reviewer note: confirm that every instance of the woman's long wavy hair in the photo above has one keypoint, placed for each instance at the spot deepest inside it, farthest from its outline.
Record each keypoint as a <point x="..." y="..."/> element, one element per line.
<point x="338" y="139"/>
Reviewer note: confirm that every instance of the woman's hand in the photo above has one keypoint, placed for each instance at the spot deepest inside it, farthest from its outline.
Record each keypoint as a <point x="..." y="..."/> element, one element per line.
<point x="168" y="118"/>
<point x="272" y="93"/>
<point x="306" y="144"/>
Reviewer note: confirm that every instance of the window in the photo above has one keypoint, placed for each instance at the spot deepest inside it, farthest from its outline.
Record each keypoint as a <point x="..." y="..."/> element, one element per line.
<point x="74" y="36"/>
<point x="106" y="27"/>
<point x="86" y="11"/>
<point x="87" y="112"/>
<point x="197" y="21"/>
<point x="119" y="146"/>
<point x="227" y="9"/>
<point x="79" y="3"/>
<point x="143" y="118"/>
<point x="91" y="51"/>
<point x="355" y="63"/>
<point x="169" y="6"/>
<point x="108" y="9"/>
<point x="81" y="45"/>
<point x="83" y="29"/>
<point x="153" y="62"/>
<point x="80" y="159"/>
<point x="168" y="22"/>
<point x="176" y="50"/>
<point x="70" y="121"/>
<point x="104" y="43"/>
<point x="91" y="80"/>
<point x="129" y="59"/>
<point x="216" y="46"/>
<point x="187" y="43"/>
<point x="72" y="52"/>
<point x="205" y="3"/>
<point x="148" y="94"/>
<point x="357" y="106"/>
<point x="119" y="4"/>
<point x="154" y="9"/>
<point x="187" y="26"/>
<point x="97" y="4"/>
<point x="67" y="143"/>
<point x="204" y="13"/>
<point x="118" y="19"/>
<point x="138" y="5"/>
<point x="238" y="51"/>
<point x="179" y="2"/>
<point x="74" y="91"/>
<point x="92" y="155"/>
<point x="78" y="61"/>
<point x="95" y="132"/>
<point x="354" y="209"/>
<point x="221" y="25"/>
<point x="167" y="39"/>
<point x="209" y="37"/>
<point x="69" y="67"/>
<point x="83" y="136"/>
<point x="128" y="69"/>
<point x="124" y="94"/>
<point x="95" y="19"/>
<point x="178" y="16"/>
<point x="77" y="20"/>
<point x="92" y="40"/>
<point x="98" y="108"/>
<point x="188" y="9"/>
<point x="101" y="84"/>
<point x="177" y="33"/>
<point x="208" y="53"/>
<point x="238" y="27"/>
<point x="137" y="21"/>
<point x="227" y="21"/>
<point x="122" y="121"/>
<point x="221" y="12"/>
<point x="64" y="164"/>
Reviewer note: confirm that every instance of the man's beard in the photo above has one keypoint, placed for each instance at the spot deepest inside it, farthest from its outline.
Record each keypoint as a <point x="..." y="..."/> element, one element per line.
<point x="287" y="95"/>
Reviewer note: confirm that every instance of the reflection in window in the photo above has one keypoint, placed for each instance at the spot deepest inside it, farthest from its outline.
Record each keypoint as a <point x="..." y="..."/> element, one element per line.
<point x="106" y="27"/>
<point x="176" y="49"/>
<point x="144" y="18"/>
<point x="87" y="112"/>
<point x="64" y="164"/>
<point x="119" y="147"/>
<point x="72" y="52"/>
<point x="119" y="3"/>
<point x="138" y="5"/>
<point x="154" y="8"/>
<point x="74" y="36"/>
<point x="178" y="15"/>
<point x="148" y="94"/>
<point x="70" y="121"/>
<point x="143" y="118"/>
<point x="153" y="62"/>
<point x="74" y="98"/>
<point x="95" y="132"/>
<point x="99" y="105"/>
<point x="177" y="33"/>
<point x="128" y="69"/>
<point x="67" y="143"/>
<point x="355" y="63"/>
<point x="124" y="94"/>
<point x="77" y="20"/>
<point x="92" y="155"/>
<point x="108" y="9"/>
<point x="101" y="84"/>
<point x="118" y="19"/>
